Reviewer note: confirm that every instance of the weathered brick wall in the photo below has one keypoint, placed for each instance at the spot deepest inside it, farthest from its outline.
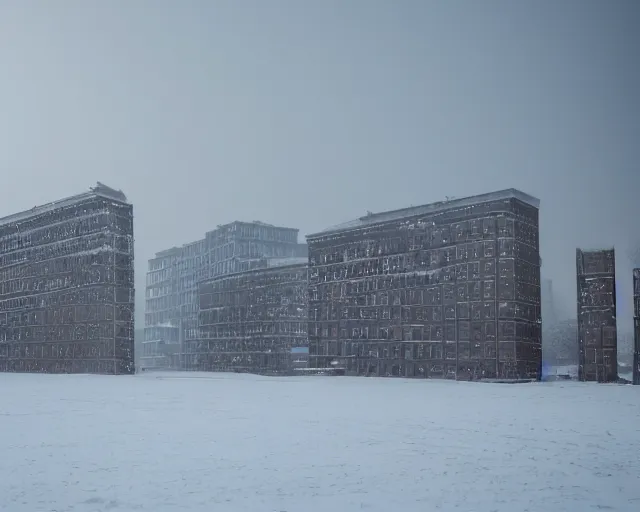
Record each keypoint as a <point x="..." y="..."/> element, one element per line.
<point x="454" y="293"/>
<point x="67" y="289"/>
<point x="250" y="321"/>
<point x="597" y="333"/>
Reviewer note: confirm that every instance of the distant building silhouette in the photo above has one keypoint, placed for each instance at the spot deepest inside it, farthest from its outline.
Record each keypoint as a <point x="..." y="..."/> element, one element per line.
<point x="172" y="331"/>
<point x="549" y="312"/>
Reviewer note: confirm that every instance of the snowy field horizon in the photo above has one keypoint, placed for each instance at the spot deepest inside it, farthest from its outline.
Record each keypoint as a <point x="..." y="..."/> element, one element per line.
<point x="228" y="442"/>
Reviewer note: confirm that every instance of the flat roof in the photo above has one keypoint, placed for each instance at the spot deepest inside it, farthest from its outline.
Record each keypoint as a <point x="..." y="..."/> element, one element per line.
<point x="372" y="219"/>
<point x="257" y="223"/>
<point x="99" y="190"/>
<point x="595" y="250"/>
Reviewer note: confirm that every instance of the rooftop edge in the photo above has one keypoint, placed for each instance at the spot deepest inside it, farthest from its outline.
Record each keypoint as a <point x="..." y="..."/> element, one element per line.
<point x="100" y="190"/>
<point x="411" y="211"/>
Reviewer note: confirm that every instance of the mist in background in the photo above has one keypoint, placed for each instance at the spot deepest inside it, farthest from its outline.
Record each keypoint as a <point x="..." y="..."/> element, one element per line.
<point x="310" y="113"/>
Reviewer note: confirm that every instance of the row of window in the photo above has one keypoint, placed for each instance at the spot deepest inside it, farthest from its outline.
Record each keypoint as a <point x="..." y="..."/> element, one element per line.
<point x="424" y="233"/>
<point x="451" y="351"/>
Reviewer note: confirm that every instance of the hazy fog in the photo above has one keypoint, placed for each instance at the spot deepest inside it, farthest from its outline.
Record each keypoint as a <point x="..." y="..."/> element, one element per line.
<point x="311" y="113"/>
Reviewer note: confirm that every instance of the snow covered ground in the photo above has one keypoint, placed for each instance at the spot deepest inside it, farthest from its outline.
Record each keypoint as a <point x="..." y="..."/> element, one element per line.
<point x="218" y="442"/>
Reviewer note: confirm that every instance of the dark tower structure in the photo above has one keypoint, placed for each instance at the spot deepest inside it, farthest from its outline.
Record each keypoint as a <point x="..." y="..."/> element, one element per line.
<point x="636" y="326"/>
<point x="66" y="286"/>
<point x="597" y="334"/>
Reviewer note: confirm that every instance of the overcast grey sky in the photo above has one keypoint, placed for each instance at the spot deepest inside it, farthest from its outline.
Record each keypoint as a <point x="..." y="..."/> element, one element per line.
<point x="309" y="113"/>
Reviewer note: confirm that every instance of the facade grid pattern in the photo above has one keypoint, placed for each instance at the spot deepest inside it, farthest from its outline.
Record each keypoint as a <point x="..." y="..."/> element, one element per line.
<point x="449" y="290"/>
<point x="67" y="286"/>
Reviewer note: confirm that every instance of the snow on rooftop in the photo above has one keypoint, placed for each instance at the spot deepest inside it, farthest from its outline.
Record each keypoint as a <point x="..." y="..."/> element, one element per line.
<point x="224" y="442"/>
<point x="377" y="218"/>
<point x="100" y="190"/>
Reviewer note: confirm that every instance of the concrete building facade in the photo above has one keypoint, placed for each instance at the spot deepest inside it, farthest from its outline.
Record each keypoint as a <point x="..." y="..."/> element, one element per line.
<point x="449" y="290"/>
<point x="254" y="321"/>
<point x="241" y="246"/>
<point x="171" y="315"/>
<point x="230" y="248"/>
<point x="161" y="340"/>
<point x="67" y="286"/>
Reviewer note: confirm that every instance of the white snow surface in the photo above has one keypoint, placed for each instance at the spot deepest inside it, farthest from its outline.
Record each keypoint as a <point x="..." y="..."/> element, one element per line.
<point x="226" y="442"/>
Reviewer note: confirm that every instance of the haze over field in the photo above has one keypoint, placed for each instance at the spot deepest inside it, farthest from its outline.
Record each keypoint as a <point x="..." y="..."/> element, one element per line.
<point x="312" y="113"/>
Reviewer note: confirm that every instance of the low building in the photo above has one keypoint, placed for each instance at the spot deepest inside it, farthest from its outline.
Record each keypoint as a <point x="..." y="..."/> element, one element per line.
<point x="254" y="321"/>
<point x="240" y="246"/>
<point x="67" y="286"/>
